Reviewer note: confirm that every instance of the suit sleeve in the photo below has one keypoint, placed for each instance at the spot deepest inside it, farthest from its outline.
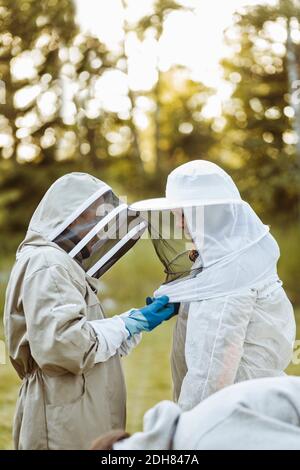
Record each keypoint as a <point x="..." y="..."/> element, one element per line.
<point x="60" y="338"/>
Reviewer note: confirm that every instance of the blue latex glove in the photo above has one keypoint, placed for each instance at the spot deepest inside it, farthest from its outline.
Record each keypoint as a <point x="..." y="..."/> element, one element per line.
<point x="150" y="300"/>
<point x="149" y="317"/>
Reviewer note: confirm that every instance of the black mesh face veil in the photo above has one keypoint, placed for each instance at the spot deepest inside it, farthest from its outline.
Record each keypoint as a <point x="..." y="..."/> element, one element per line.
<point x="173" y="245"/>
<point x="101" y="233"/>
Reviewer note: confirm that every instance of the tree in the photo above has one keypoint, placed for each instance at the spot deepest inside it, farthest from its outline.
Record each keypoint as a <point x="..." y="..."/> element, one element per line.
<point x="56" y="119"/>
<point x="31" y="36"/>
<point x="291" y="10"/>
<point x="155" y="21"/>
<point x="262" y="132"/>
<point x="176" y="130"/>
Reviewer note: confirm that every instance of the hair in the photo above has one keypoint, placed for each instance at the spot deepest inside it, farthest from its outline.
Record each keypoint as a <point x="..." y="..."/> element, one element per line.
<point x="107" y="441"/>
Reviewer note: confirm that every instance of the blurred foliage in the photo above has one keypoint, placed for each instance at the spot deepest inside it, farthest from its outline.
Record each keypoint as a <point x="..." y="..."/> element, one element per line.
<point x="261" y="132"/>
<point x="31" y="36"/>
<point x="56" y="117"/>
<point x="288" y="238"/>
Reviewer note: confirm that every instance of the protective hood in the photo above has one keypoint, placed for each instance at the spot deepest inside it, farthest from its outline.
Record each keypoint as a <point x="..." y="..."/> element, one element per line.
<point x="260" y="414"/>
<point x="159" y="428"/>
<point x="81" y="215"/>
<point x="224" y="248"/>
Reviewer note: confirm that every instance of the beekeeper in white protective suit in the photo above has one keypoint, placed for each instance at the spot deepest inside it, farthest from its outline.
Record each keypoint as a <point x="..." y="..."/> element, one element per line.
<point x="261" y="414"/>
<point x="64" y="350"/>
<point x="235" y="321"/>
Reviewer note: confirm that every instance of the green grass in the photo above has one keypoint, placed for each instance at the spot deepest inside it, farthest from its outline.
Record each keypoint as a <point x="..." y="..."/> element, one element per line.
<point x="147" y="369"/>
<point x="148" y="378"/>
<point x="9" y="387"/>
<point x="294" y="367"/>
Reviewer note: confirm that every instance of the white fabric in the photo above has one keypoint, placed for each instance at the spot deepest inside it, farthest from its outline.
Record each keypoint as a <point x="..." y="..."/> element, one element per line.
<point x="235" y="338"/>
<point x="132" y="341"/>
<point x="60" y="204"/>
<point x="163" y="204"/>
<point x="243" y="270"/>
<point x="73" y="216"/>
<point x="65" y="400"/>
<point x="128" y="345"/>
<point x="159" y="428"/>
<point x="235" y="248"/>
<point x="112" y="336"/>
<point x="196" y="183"/>
<point x="258" y="414"/>
<point x="261" y="414"/>
<point x="96" y="224"/>
<point x="200" y="180"/>
<point x="236" y="252"/>
<point x="240" y="323"/>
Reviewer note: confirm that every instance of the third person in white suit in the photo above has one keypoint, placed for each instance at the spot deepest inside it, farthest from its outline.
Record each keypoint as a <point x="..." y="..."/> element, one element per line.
<point x="235" y="321"/>
<point x="262" y="414"/>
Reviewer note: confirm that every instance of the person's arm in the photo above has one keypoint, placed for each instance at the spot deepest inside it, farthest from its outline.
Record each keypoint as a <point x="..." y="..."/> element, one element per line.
<point x="123" y="332"/>
<point x="129" y="345"/>
<point x="114" y="338"/>
<point x="59" y="334"/>
<point x="111" y="334"/>
<point x="215" y="336"/>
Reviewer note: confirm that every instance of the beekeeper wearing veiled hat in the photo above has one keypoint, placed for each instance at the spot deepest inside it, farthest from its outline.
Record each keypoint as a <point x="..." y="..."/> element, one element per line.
<point x="235" y="321"/>
<point x="64" y="350"/>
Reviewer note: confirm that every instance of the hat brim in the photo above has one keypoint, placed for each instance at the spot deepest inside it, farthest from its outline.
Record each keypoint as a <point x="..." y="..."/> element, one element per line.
<point x="161" y="204"/>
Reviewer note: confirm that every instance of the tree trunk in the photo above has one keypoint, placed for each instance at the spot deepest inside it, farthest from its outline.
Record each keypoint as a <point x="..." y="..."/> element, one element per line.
<point x="134" y="130"/>
<point x="293" y="78"/>
<point x="158" y="153"/>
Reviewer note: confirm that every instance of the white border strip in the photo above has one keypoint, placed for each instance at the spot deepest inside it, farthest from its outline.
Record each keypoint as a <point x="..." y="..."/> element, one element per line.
<point x="97" y="229"/>
<point x="78" y="211"/>
<point x="116" y="248"/>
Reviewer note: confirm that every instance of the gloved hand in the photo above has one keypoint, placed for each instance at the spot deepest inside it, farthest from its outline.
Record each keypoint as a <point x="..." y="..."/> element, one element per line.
<point x="149" y="317"/>
<point x="150" y="300"/>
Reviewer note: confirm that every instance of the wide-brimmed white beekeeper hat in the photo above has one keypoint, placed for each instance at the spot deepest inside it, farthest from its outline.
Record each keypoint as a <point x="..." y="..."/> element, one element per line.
<point x="198" y="182"/>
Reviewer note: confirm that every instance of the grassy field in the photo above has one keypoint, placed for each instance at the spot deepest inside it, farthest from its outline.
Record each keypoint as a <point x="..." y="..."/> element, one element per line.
<point x="147" y="368"/>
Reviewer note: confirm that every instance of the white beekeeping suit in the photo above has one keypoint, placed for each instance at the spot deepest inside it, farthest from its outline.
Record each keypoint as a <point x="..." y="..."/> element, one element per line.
<point x="258" y="414"/>
<point x="235" y="322"/>
<point x="60" y="343"/>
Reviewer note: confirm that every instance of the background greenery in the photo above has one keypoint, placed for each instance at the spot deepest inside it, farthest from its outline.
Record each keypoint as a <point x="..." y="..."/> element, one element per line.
<point x="256" y="140"/>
